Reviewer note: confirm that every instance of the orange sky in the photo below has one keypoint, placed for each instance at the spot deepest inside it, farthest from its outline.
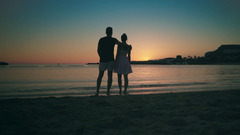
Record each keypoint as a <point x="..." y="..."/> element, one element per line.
<point x="42" y="32"/>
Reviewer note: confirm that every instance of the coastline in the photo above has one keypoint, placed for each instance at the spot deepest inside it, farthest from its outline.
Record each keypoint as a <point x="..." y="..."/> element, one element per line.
<point x="211" y="112"/>
<point x="158" y="63"/>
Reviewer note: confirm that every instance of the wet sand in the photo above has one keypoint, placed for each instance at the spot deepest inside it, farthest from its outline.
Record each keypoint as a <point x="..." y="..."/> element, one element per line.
<point x="200" y="113"/>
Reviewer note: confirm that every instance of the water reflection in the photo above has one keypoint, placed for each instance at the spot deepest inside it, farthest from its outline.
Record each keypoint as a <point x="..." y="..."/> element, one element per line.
<point x="81" y="80"/>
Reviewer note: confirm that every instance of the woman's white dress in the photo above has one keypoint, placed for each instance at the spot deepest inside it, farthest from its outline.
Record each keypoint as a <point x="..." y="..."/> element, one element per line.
<point x="123" y="65"/>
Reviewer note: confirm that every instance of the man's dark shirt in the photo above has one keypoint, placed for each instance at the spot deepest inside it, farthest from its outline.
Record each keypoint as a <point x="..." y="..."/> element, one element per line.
<point x="106" y="49"/>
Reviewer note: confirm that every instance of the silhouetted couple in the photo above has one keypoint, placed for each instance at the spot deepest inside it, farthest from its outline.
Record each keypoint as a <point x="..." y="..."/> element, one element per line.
<point x="122" y="64"/>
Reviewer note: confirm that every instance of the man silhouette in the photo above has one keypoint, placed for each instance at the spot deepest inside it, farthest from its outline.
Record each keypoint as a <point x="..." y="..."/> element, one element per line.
<point x="106" y="53"/>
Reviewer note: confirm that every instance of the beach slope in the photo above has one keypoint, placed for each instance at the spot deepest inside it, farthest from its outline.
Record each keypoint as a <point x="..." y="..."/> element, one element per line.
<point x="216" y="112"/>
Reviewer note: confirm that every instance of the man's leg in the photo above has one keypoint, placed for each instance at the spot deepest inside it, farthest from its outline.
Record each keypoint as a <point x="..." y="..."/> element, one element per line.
<point x="110" y="73"/>
<point x="99" y="80"/>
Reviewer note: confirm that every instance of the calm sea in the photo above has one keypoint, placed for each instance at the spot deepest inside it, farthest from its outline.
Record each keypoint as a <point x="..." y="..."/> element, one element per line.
<point x="22" y="81"/>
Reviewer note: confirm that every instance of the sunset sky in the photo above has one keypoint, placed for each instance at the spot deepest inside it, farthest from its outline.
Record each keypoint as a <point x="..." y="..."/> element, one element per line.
<point x="67" y="31"/>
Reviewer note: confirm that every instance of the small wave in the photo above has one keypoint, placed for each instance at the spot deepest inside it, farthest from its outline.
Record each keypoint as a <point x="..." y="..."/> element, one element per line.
<point x="166" y="85"/>
<point x="37" y="88"/>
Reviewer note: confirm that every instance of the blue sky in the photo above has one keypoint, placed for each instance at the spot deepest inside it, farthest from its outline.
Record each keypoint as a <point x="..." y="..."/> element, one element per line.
<point x="67" y="31"/>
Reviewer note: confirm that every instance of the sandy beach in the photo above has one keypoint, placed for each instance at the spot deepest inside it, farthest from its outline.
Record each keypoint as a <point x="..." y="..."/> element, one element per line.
<point x="205" y="113"/>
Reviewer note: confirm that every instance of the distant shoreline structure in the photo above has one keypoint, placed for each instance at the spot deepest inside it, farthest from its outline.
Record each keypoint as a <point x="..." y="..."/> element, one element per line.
<point x="92" y="63"/>
<point x="158" y="63"/>
<point x="4" y="63"/>
<point x="225" y="55"/>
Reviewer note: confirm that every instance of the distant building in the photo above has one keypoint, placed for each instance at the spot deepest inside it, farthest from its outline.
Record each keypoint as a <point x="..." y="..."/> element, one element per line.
<point x="225" y="53"/>
<point x="179" y="58"/>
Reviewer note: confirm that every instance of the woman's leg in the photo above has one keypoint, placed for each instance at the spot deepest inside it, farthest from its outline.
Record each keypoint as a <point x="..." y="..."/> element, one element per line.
<point x="126" y="83"/>
<point x="120" y="83"/>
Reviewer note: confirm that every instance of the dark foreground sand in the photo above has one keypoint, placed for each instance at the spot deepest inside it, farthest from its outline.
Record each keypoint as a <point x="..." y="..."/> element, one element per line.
<point x="201" y="113"/>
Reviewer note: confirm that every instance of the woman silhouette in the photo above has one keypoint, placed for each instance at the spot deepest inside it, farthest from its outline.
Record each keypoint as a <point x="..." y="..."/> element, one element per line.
<point x="123" y="66"/>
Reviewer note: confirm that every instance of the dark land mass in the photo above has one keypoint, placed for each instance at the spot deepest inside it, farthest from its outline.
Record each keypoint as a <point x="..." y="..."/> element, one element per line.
<point x="4" y="63"/>
<point x="223" y="55"/>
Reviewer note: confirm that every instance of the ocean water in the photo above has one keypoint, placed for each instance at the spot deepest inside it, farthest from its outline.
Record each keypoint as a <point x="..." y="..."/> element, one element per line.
<point x="32" y="81"/>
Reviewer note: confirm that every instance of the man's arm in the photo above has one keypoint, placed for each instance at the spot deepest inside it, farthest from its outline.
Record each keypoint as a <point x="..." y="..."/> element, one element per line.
<point x="99" y="48"/>
<point x="118" y="43"/>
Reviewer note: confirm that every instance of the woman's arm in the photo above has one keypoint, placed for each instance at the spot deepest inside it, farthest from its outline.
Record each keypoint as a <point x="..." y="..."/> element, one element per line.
<point x="129" y="54"/>
<point x="118" y="49"/>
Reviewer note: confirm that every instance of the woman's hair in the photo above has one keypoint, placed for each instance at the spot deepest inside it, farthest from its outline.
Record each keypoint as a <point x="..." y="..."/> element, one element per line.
<point x="124" y="37"/>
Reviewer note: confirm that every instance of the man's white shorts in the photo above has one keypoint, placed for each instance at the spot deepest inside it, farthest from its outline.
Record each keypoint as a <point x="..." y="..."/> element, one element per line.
<point x="107" y="65"/>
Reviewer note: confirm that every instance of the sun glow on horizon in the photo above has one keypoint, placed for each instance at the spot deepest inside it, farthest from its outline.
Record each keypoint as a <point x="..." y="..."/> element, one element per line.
<point x="146" y="58"/>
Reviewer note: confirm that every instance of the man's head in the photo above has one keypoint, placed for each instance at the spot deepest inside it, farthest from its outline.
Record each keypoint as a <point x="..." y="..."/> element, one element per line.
<point x="109" y="31"/>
